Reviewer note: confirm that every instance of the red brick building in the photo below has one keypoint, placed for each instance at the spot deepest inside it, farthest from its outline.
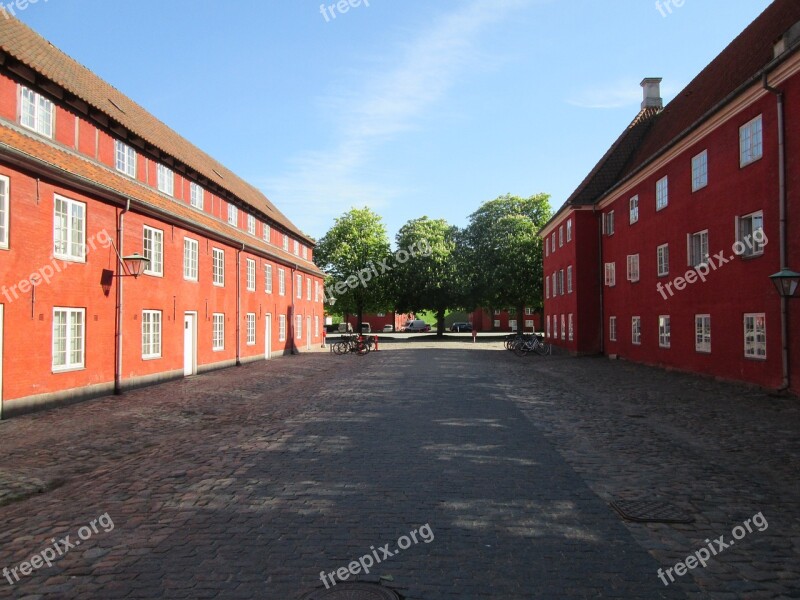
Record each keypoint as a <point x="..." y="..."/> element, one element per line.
<point x="377" y="321"/>
<point x="505" y="320"/>
<point x="663" y="254"/>
<point x="87" y="176"/>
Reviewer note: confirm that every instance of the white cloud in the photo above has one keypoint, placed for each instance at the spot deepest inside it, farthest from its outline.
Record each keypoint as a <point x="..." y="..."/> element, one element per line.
<point x="319" y="185"/>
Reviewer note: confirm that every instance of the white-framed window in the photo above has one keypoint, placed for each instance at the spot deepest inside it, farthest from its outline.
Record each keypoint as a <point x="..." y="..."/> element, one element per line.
<point x="250" y="319"/>
<point x="546" y="248"/>
<point x="633" y="210"/>
<point x="251" y="275"/>
<point x="4" y="206"/>
<point x="281" y="282"/>
<point x="529" y="323"/>
<point x="569" y="325"/>
<point x="496" y="323"/>
<point x="218" y="332"/>
<point x="266" y="232"/>
<point x="512" y="312"/>
<point x="298" y="326"/>
<point x="569" y="279"/>
<point x="664" y="331"/>
<point x="296" y="248"/>
<point x="700" y="171"/>
<point x="125" y="158"/>
<point x="233" y="215"/>
<point x="299" y="285"/>
<point x="528" y="312"/>
<point x="702" y="333"/>
<point x="281" y="328"/>
<point x="69" y="338"/>
<point x="218" y="267"/>
<point x="305" y="252"/>
<point x="316" y="290"/>
<point x="555" y="327"/>
<point x="190" y="258"/>
<point x="612" y="329"/>
<point x="36" y="112"/>
<point x="197" y="196"/>
<point x="69" y="229"/>
<point x="633" y="267"/>
<point x="608" y="223"/>
<point x="569" y="230"/>
<point x="268" y="279"/>
<point x="636" y="330"/>
<point x="561" y="236"/>
<point x="662" y="259"/>
<point x="751" y="143"/>
<point x="308" y="288"/>
<point x="286" y="242"/>
<point x="497" y="310"/>
<point x="755" y="336"/>
<point x="166" y="180"/>
<point x="611" y="274"/>
<point x="561" y="282"/>
<point x="512" y="324"/>
<point x="553" y="242"/>
<point x="662" y="193"/>
<point x="153" y="250"/>
<point x="748" y="228"/>
<point x="251" y="224"/>
<point x="547" y="326"/>
<point x="563" y="328"/>
<point x="151" y="334"/>
<point x="555" y="285"/>
<point x="316" y="326"/>
<point x="698" y="248"/>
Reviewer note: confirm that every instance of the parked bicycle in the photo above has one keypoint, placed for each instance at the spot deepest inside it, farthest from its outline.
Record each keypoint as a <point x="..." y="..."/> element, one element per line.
<point x="525" y="344"/>
<point x="355" y="344"/>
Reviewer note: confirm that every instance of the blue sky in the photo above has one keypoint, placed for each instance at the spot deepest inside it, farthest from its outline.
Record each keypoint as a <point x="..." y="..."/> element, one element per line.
<point x="412" y="107"/>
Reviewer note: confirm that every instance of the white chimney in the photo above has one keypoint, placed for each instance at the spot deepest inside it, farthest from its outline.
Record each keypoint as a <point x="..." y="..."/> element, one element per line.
<point x="652" y="93"/>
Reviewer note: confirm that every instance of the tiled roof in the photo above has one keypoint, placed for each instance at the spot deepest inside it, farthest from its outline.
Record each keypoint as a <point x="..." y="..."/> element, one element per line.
<point x="68" y="162"/>
<point x="652" y="132"/>
<point x="25" y="45"/>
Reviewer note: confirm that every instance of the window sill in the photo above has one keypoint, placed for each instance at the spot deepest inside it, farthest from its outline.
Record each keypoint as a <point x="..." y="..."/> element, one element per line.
<point x="70" y="259"/>
<point x="57" y="371"/>
<point x="154" y="357"/>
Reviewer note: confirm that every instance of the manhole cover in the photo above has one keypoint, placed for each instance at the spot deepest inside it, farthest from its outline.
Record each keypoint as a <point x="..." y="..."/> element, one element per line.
<point x="353" y="591"/>
<point x="650" y="511"/>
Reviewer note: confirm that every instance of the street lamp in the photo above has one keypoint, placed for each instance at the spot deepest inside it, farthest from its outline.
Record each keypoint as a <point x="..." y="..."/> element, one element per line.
<point x="134" y="264"/>
<point x="786" y="282"/>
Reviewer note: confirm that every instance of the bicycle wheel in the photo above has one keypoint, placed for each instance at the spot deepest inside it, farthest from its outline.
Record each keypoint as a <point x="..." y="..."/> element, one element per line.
<point x="542" y="348"/>
<point x="339" y="348"/>
<point x="520" y="348"/>
<point x="362" y="348"/>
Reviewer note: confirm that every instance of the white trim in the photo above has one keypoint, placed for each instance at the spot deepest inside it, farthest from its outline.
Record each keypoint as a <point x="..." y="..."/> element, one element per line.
<point x="155" y="333"/>
<point x="157" y="238"/>
<point x="80" y="256"/>
<point x="5" y="210"/>
<point x="68" y="365"/>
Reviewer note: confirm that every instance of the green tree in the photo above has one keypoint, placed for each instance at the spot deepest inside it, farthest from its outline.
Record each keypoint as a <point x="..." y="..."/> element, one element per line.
<point x="503" y="253"/>
<point x="351" y="254"/>
<point x="428" y="280"/>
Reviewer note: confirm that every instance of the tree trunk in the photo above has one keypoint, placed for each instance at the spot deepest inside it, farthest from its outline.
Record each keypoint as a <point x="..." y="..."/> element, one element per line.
<point x="440" y="323"/>
<point x="520" y="318"/>
<point x="360" y="318"/>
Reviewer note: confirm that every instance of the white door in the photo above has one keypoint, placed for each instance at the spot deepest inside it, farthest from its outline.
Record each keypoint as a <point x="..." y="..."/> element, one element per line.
<point x="308" y="333"/>
<point x="267" y="336"/>
<point x="189" y="344"/>
<point x="1" y="360"/>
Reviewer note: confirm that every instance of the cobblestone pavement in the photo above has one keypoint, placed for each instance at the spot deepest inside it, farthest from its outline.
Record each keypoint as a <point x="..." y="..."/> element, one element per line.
<point x="246" y="483"/>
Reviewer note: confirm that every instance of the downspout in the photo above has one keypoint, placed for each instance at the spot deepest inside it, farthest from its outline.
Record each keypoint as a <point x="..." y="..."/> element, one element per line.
<point x="239" y="306"/>
<point x="120" y="271"/>
<point x="601" y="278"/>
<point x="782" y="227"/>
<point x="294" y="316"/>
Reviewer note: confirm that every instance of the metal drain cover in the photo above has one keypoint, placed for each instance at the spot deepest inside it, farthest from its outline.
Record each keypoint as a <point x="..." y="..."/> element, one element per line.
<point x="650" y="511"/>
<point x="353" y="591"/>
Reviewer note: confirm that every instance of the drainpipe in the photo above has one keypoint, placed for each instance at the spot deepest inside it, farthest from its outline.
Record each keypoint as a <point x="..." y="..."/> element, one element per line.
<point x="239" y="306"/>
<point x="118" y="311"/>
<point x="601" y="278"/>
<point x="782" y="228"/>
<point x="294" y="317"/>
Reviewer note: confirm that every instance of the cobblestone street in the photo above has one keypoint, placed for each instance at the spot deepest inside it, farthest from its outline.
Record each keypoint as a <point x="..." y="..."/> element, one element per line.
<point x="249" y="482"/>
